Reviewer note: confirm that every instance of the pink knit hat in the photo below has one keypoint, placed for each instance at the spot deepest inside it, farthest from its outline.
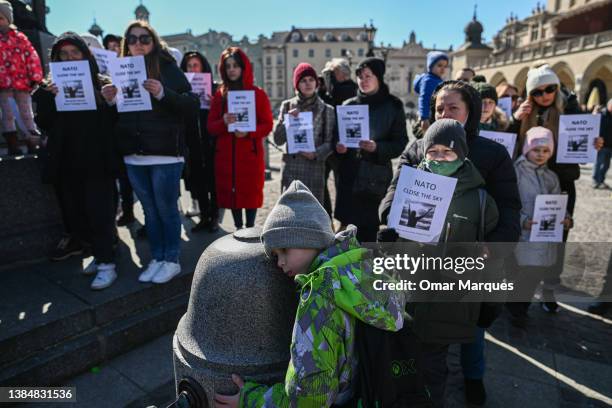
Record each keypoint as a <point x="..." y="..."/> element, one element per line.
<point x="538" y="136"/>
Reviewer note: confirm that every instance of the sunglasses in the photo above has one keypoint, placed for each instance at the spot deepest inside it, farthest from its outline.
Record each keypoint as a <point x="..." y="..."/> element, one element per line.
<point x="539" y="92"/>
<point x="144" y="39"/>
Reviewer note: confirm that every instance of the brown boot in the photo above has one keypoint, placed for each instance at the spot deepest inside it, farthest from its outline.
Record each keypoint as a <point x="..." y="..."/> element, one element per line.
<point x="11" y="142"/>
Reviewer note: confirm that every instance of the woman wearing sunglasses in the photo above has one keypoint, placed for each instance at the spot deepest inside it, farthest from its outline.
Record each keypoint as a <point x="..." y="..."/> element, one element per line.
<point x="545" y="103"/>
<point x="152" y="144"/>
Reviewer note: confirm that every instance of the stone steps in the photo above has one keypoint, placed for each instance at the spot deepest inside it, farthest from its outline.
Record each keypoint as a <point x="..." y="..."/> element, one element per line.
<point x="51" y="353"/>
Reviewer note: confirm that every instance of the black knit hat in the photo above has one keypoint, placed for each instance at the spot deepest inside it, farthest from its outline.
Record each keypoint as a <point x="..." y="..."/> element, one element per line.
<point x="447" y="132"/>
<point x="485" y="90"/>
<point x="376" y="65"/>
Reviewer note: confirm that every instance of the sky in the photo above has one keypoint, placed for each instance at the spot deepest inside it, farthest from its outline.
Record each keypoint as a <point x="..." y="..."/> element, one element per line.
<point x="438" y="23"/>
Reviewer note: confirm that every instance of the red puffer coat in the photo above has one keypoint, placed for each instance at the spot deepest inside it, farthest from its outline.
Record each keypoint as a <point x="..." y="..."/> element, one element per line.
<point x="20" y="68"/>
<point x="239" y="162"/>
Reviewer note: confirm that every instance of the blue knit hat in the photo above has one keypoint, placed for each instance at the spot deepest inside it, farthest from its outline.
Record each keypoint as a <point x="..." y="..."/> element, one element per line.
<point x="433" y="57"/>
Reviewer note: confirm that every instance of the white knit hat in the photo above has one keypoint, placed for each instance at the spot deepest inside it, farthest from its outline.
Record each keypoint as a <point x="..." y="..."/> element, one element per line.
<point x="543" y="75"/>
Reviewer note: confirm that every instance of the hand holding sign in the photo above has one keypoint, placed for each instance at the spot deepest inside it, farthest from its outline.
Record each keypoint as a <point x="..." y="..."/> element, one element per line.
<point x="109" y="92"/>
<point x="153" y="86"/>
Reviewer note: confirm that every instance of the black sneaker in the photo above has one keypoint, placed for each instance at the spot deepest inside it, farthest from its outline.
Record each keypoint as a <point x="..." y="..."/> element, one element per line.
<point x="549" y="304"/>
<point x="125" y="219"/>
<point x="66" y="248"/>
<point x="475" y="393"/>
<point x="204" y="224"/>
<point x="214" y="225"/>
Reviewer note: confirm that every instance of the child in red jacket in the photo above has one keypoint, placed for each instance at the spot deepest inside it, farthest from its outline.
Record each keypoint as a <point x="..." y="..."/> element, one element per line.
<point x="20" y="72"/>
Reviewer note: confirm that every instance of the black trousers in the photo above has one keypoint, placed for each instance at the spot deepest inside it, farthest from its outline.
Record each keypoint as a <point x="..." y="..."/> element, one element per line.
<point x="436" y="371"/>
<point x="89" y="208"/>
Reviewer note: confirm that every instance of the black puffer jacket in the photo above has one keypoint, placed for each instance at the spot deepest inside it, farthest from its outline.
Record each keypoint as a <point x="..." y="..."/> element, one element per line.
<point x="160" y="131"/>
<point x="388" y="130"/>
<point x="79" y="142"/>
<point x="492" y="161"/>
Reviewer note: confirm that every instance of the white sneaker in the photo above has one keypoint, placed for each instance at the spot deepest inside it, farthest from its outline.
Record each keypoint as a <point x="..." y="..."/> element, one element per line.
<point x="105" y="277"/>
<point x="168" y="271"/>
<point x="149" y="273"/>
<point x="91" y="268"/>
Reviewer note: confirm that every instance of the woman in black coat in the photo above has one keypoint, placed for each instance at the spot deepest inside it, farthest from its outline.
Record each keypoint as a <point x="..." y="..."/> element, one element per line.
<point x="460" y="101"/>
<point x="200" y="170"/>
<point x="365" y="173"/>
<point x="79" y="162"/>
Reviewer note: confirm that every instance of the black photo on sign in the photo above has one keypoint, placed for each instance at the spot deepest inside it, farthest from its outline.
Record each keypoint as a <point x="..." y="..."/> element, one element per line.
<point x="300" y="136"/>
<point x="417" y="214"/>
<point x="577" y="143"/>
<point x="130" y="89"/>
<point x="73" y="89"/>
<point x="547" y="223"/>
<point x="353" y="131"/>
<point x="242" y="115"/>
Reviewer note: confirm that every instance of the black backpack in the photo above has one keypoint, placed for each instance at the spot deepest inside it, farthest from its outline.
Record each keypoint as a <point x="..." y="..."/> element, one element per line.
<point x="390" y="369"/>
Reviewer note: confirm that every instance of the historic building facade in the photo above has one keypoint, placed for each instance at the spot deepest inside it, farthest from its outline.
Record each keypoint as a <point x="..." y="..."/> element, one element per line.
<point x="573" y="36"/>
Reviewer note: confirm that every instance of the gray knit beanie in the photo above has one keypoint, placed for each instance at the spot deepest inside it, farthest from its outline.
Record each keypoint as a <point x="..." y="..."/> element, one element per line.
<point x="7" y="10"/>
<point x="297" y="220"/>
<point x="447" y="132"/>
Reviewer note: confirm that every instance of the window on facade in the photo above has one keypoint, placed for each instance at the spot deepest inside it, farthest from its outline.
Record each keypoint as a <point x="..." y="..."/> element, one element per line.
<point x="268" y="60"/>
<point x="269" y="89"/>
<point x="279" y="91"/>
<point x="279" y="59"/>
<point x="343" y="52"/>
<point x="572" y="3"/>
<point x="311" y="53"/>
<point x="534" y="34"/>
<point x="279" y="74"/>
<point x="269" y="74"/>
<point x="296" y="53"/>
<point x="327" y="53"/>
<point x="360" y="52"/>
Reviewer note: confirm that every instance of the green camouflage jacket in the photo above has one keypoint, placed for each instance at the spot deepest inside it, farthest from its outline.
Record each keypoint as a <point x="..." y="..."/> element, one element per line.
<point x="323" y="363"/>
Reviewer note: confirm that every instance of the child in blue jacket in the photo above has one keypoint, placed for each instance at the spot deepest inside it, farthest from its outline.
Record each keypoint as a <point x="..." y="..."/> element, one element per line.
<point x="424" y="84"/>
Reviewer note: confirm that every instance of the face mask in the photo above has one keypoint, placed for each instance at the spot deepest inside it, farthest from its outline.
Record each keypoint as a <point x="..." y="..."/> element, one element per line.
<point x="443" y="168"/>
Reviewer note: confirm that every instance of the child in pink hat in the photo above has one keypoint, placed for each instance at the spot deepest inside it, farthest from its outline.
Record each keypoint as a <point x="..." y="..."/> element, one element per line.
<point x="534" y="259"/>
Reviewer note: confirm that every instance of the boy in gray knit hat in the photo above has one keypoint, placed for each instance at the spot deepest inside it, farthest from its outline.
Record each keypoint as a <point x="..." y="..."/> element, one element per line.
<point x="335" y="279"/>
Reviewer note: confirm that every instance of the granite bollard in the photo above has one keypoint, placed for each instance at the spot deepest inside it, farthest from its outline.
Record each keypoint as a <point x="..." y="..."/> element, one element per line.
<point x="239" y="320"/>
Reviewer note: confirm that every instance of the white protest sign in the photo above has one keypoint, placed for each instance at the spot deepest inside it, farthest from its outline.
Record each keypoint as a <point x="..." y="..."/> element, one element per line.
<point x="505" y="104"/>
<point x="201" y="85"/>
<point x="73" y="79"/>
<point x="242" y="104"/>
<point x="420" y="204"/>
<point x="353" y="124"/>
<point x="103" y="58"/>
<point x="129" y="74"/>
<point x="576" y="138"/>
<point x="549" y="212"/>
<point x="300" y="134"/>
<point x="508" y="140"/>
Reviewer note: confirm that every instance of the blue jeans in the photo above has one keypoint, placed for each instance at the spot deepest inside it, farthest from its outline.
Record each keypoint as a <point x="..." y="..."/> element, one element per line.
<point x="472" y="357"/>
<point x="157" y="187"/>
<point x="602" y="164"/>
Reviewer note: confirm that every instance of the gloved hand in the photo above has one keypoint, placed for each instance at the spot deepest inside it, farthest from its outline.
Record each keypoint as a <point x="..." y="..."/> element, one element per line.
<point x="387" y="235"/>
